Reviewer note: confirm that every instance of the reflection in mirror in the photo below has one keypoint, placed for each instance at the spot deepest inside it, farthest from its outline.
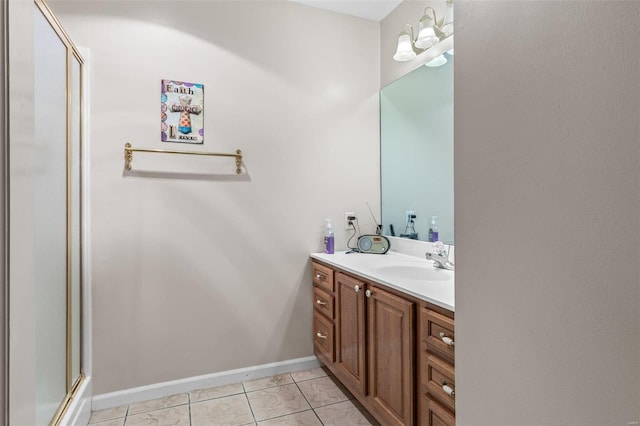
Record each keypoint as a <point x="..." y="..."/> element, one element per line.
<point x="416" y="152"/>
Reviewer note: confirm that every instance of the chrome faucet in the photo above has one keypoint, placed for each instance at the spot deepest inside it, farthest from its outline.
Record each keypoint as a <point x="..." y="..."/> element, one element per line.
<point x="440" y="256"/>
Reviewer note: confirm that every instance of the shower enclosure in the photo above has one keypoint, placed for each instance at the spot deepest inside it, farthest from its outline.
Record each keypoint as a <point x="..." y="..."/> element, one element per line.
<point x="55" y="239"/>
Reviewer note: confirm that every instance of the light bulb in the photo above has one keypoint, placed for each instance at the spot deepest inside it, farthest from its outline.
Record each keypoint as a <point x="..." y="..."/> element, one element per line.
<point x="404" y="52"/>
<point x="437" y="61"/>
<point x="426" y="35"/>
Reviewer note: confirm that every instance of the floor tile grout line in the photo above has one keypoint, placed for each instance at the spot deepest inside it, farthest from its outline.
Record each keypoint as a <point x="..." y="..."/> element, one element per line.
<point x="269" y="387"/>
<point x="345" y="392"/>
<point x="255" y="421"/>
<point x="306" y="380"/>
<point x="217" y="397"/>
<point x="157" y="409"/>
<point x="110" y="419"/>
<point x="360" y="408"/>
<point x="318" y="417"/>
<point x="189" y="399"/>
<point x="337" y="402"/>
<point x="312" y="409"/>
<point x="286" y="415"/>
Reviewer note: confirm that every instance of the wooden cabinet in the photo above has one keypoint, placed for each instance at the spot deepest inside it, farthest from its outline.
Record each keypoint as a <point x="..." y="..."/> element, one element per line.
<point x="391" y="357"/>
<point x="323" y="314"/>
<point x="436" y="358"/>
<point x="375" y="329"/>
<point x="350" y="338"/>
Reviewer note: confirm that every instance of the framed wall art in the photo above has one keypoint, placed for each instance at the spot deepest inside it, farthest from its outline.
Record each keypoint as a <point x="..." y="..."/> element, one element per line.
<point x="182" y="112"/>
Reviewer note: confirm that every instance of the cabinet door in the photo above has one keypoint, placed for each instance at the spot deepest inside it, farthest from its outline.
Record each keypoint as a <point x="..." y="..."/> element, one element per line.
<point x="391" y="355"/>
<point x="350" y="336"/>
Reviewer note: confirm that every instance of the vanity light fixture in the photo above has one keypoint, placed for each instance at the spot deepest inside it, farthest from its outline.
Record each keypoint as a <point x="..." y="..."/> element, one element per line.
<point x="437" y="61"/>
<point x="431" y="31"/>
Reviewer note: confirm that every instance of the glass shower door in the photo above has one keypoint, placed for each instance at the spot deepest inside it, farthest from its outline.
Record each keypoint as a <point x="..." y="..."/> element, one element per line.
<point x="57" y="231"/>
<point x="50" y="227"/>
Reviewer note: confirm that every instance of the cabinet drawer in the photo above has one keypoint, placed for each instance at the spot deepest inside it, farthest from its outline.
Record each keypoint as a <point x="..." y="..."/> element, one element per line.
<point x="323" y="302"/>
<point x="435" y="414"/>
<point x="438" y="333"/>
<point x="322" y="276"/>
<point x="323" y="338"/>
<point x="440" y="381"/>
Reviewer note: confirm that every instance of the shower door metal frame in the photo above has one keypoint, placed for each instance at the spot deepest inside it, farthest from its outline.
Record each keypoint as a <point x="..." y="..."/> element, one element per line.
<point x="72" y="383"/>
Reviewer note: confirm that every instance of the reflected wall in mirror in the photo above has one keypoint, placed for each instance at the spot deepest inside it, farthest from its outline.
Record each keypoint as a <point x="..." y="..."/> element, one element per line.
<point x="416" y="151"/>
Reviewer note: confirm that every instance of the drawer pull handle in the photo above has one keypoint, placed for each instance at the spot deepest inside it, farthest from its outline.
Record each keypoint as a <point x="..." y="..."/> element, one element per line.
<point x="320" y="302"/>
<point x="368" y="293"/>
<point x="320" y="277"/>
<point x="356" y="288"/>
<point x="447" y="340"/>
<point x="448" y="389"/>
<point x="321" y="336"/>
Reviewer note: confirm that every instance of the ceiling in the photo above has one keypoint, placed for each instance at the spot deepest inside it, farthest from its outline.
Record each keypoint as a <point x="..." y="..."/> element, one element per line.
<point x="375" y="10"/>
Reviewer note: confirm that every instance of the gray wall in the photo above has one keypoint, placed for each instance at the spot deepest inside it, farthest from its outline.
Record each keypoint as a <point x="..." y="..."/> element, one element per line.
<point x="547" y="196"/>
<point x="197" y="275"/>
<point x="3" y="205"/>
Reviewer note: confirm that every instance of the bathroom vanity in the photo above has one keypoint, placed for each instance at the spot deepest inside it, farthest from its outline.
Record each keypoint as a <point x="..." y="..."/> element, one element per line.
<point x="384" y="326"/>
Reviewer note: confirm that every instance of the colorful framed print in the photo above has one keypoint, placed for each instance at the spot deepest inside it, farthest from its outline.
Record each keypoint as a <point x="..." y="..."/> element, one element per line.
<point x="182" y="112"/>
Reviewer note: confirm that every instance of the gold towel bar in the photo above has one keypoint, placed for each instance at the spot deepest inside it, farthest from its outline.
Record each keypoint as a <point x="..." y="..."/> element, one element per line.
<point x="128" y="155"/>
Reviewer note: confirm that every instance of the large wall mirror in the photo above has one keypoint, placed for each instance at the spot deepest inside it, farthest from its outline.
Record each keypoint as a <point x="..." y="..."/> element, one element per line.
<point x="416" y="152"/>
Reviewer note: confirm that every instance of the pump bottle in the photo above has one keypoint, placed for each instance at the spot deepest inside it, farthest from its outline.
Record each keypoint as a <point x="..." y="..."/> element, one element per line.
<point x="328" y="238"/>
<point x="433" y="230"/>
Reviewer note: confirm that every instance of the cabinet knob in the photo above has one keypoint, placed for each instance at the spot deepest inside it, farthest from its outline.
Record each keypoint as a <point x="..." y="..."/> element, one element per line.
<point x="318" y="276"/>
<point x="448" y="389"/>
<point x="320" y="335"/>
<point x="368" y="293"/>
<point x="320" y="302"/>
<point x="356" y="288"/>
<point x="447" y="340"/>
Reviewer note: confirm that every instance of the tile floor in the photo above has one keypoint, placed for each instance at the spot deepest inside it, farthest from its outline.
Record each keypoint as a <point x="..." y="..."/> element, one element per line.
<point x="306" y="398"/>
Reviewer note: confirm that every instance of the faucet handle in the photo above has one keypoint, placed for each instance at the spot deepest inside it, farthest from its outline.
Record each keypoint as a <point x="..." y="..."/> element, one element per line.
<point x="438" y="248"/>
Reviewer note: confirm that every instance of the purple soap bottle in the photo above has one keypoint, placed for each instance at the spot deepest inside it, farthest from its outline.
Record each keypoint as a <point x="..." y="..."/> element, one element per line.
<point x="433" y="230"/>
<point x="328" y="238"/>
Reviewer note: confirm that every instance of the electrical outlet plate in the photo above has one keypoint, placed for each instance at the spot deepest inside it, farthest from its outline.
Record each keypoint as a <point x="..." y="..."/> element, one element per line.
<point x="346" y="219"/>
<point x="408" y="217"/>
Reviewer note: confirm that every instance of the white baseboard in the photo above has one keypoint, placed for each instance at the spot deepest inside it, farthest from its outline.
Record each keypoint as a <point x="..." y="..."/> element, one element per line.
<point x="79" y="410"/>
<point x="160" y="390"/>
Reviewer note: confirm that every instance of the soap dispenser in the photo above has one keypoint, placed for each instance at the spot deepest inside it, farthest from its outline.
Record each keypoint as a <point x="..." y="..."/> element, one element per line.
<point x="433" y="230"/>
<point x="328" y="238"/>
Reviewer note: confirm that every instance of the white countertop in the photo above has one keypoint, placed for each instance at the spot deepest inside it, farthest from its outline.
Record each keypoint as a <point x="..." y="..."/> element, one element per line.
<point x="380" y="268"/>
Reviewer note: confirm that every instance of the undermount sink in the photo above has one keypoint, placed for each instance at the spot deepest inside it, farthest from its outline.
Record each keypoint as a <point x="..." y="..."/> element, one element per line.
<point x="420" y="272"/>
